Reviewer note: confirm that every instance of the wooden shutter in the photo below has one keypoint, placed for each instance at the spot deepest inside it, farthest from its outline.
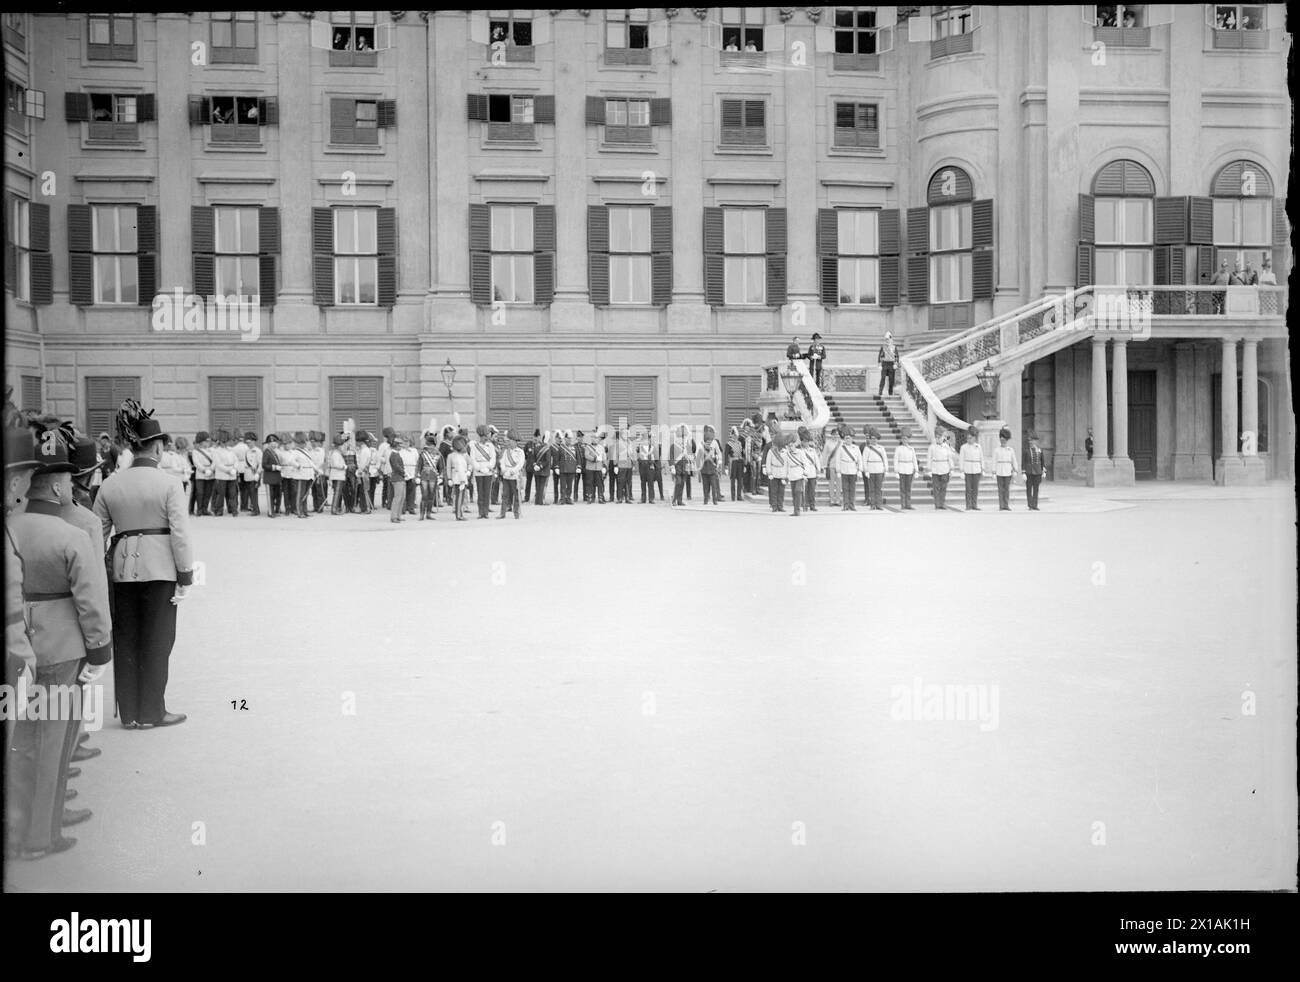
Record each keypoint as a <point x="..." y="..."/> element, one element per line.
<point x="343" y="121"/>
<point x="544" y="109"/>
<point x="76" y="107"/>
<point x="81" y="264"/>
<point x="38" y="226"/>
<point x="918" y="230"/>
<point x="1084" y="264"/>
<point x="661" y="112"/>
<point x="714" y="282"/>
<point x="477" y="106"/>
<point x="1204" y="264"/>
<point x="386" y="113"/>
<point x="981" y="223"/>
<point x="661" y="255"/>
<point x="1087" y="218"/>
<point x="889" y="229"/>
<point x="268" y="230"/>
<point x="41" y="262"/>
<point x="268" y="111"/>
<point x="598" y="254"/>
<point x="202" y="247"/>
<point x="146" y="253"/>
<point x="775" y="229"/>
<point x="146" y="108"/>
<point x="889" y="287"/>
<point x="322" y="243"/>
<point x="1169" y="262"/>
<point x="386" y="244"/>
<point x="1170" y="221"/>
<point x="733" y="121"/>
<point x="544" y="253"/>
<point x="1200" y="221"/>
<point x="198" y="115"/>
<point x="918" y="260"/>
<point x="267" y="283"/>
<point x="480" y="255"/>
<point x="981" y="274"/>
<point x="595" y="110"/>
<point x="828" y="235"/>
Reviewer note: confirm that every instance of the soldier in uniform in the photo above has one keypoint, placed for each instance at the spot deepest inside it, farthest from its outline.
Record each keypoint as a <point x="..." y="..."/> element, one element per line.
<point x="483" y="462"/>
<point x="512" y="469"/>
<point x="205" y="472"/>
<point x="543" y="461"/>
<point x="272" y="476"/>
<point x="365" y="467"/>
<point x="972" y="467"/>
<point x="428" y="470"/>
<point x="224" y="495"/>
<point x="20" y="661"/>
<point x="644" y="453"/>
<point x="66" y="602"/>
<point x="251" y="475"/>
<point x="816" y="358"/>
<point x="570" y="467"/>
<point x="320" y="476"/>
<point x="530" y="458"/>
<point x="626" y="462"/>
<point x="151" y="569"/>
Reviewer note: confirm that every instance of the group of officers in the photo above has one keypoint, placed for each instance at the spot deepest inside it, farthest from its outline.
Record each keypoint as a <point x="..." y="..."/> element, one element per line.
<point x="86" y="583"/>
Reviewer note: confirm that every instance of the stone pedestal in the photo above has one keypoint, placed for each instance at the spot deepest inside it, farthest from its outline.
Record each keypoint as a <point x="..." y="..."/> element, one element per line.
<point x="988" y="437"/>
<point x="1230" y="471"/>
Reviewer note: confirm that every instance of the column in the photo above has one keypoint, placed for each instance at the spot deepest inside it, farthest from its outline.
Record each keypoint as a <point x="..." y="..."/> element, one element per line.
<point x="688" y="312"/>
<point x="1255" y="469"/>
<point x="1187" y="463"/>
<point x="449" y="73"/>
<point x="1120" y="461"/>
<point x="1229" y="468"/>
<point x="1100" y="468"/>
<point x="571" y="310"/>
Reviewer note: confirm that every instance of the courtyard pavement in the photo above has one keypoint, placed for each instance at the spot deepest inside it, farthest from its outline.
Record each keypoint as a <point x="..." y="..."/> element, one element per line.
<point x="626" y="697"/>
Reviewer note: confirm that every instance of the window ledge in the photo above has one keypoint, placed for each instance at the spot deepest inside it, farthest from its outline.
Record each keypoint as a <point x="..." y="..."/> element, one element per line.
<point x="835" y="151"/>
<point x="210" y="147"/>
<point x="744" y="151"/>
<point x="956" y="57"/>
<point x="533" y="145"/>
<point x="355" y="148"/>
<point x="88" y="144"/>
<point x="634" y="148"/>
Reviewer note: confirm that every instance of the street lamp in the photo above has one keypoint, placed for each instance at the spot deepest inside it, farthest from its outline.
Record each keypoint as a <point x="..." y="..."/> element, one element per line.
<point x="988" y="380"/>
<point x="448" y="378"/>
<point x="790" y="381"/>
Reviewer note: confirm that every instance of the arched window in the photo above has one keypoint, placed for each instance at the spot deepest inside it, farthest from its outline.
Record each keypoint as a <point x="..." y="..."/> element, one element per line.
<point x="950" y="262"/>
<point x="1123" y="209"/>
<point x="1244" y="219"/>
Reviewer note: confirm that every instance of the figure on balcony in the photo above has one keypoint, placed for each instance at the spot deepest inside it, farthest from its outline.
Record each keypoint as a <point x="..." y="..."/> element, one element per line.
<point x="793" y="351"/>
<point x="816" y="358"/>
<point x="887" y="357"/>
<point x="1221" y="278"/>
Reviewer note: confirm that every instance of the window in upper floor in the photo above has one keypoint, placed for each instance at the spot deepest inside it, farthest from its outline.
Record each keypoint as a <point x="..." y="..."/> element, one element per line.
<point x="234" y="37"/>
<point x="111" y="37"/>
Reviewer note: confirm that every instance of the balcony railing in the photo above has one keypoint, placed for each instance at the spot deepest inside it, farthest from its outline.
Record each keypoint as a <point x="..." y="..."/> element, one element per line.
<point x="809" y="404"/>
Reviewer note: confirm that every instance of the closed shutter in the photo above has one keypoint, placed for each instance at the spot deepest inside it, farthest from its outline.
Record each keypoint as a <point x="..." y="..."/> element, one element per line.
<point x="32" y="399"/>
<point x="714" y="270"/>
<point x="76" y="107"/>
<point x="322" y="246"/>
<point x="661" y="255"/>
<point x="544" y="109"/>
<point x="146" y="108"/>
<point x="104" y="395"/>
<point x="632" y="398"/>
<point x="733" y="121"/>
<point x="1169" y="263"/>
<point x="356" y="398"/>
<point x="776" y="232"/>
<point x="199" y="113"/>
<point x="236" y="403"/>
<point x="41" y="262"/>
<point x="343" y="121"/>
<point x="480" y="254"/>
<point x="543" y="254"/>
<point x="595" y="110"/>
<point x="81" y="264"/>
<point x="1205" y="264"/>
<point x="513" y="404"/>
<point x="386" y="244"/>
<point x="598" y="254"/>
<point x="202" y="239"/>
<point x="918" y="248"/>
<point x="888" y="290"/>
<point x="1281" y="240"/>
<point x="1200" y="221"/>
<point x="828" y="234"/>
<point x="477" y="106"/>
<point x="661" y="112"/>
<point x="11" y="257"/>
<point x="146" y="253"/>
<point x="740" y="395"/>
<point x="981" y="274"/>
<point x="1171" y="221"/>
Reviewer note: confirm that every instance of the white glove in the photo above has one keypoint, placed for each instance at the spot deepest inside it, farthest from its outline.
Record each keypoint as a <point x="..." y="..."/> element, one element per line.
<point x="91" y="673"/>
<point x="181" y="593"/>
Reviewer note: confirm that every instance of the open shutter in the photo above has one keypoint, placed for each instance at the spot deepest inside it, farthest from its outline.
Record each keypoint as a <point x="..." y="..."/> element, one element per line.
<point x="661" y="255"/>
<point x="658" y="33"/>
<point x="544" y="253"/>
<point x="41" y="263"/>
<point x="322" y="248"/>
<point x="918" y="248"/>
<point x="661" y="112"/>
<point x="202" y="246"/>
<point x="76" y="107"/>
<point x="480" y="254"/>
<point x="541" y="28"/>
<point x="268" y="111"/>
<point x="544" y="109"/>
<point x="477" y="106"/>
<point x="981" y="223"/>
<point x="714" y="280"/>
<point x="386" y="113"/>
<point x="198" y="115"/>
<point x="889" y="233"/>
<point x="146" y="253"/>
<point x="321" y="35"/>
<point x="1281" y="239"/>
<point x="81" y="264"/>
<point x="981" y="274"/>
<point x="1200" y="221"/>
<point x="828" y="235"/>
<point x="479" y="28"/>
<point x="1169" y="269"/>
<point x="267" y="283"/>
<point x="919" y="28"/>
<point x="1171" y="221"/>
<point x="11" y="257"/>
<point x="1087" y="218"/>
<point x="268" y="230"/>
<point x="598" y="254"/>
<point x="386" y="245"/>
<point x="775" y="227"/>
<point x="343" y="121"/>
<point x="713" y="35"/>
<point x="1084" y="264"/>
<point x="595" y="110"/>
<point x="1205" y="265"/>
<point x="146" y="108"/>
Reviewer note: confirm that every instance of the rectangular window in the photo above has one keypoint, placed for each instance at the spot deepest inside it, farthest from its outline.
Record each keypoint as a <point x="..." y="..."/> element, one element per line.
<point x="352" y="39"/>
<point x="627" y="120"/>
<point x="513" y="403"/>
<point x="858" y="246"/>
<point x="111" y="37"/>
<point x="1238" y="26"/>
<point x="950" y="278"/>
<point x="356" y="256"/>
<point x="512" y="253"/>
<point x="629" y="254"/>
<point x="354" y="122"/>
<point x="744" y="123"/>
<point x="358" y="398"/>
<point x="857" y="124"/>
<point x="104" y="396"/>
<point x="510" y="117"/>
<point x="113" y="242"/>
<point x="742" y="28"/>
<point x="1123" y="221"/>
<point x="19" y="228"/>
<point x="856" y="42"/>
<point x="113" y="117"/>
<point x="235" y="403"/>
<point x="1243" y="221"/>
<point x="31" y="394"/>
<point x="951" y="30"/>
<point x="1123" y="267"/>
<point x="744" y="246"/>
<point x="235" y="119"/>
<point x="236" y="261"/>
<point x="511" y="31"/>
<point x="627" y="36"/>
<point x="15" y="106"/>
<point x="234" y="37"/>
<point x="950" y="228"/>
<point x="15" y="30"/>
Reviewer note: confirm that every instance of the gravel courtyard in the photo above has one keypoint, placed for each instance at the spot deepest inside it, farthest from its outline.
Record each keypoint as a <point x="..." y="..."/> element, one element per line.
<point x="626" y="697"/>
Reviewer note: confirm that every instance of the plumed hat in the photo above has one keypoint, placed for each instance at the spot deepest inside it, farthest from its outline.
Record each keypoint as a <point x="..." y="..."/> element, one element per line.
<point x="136" y="426"/>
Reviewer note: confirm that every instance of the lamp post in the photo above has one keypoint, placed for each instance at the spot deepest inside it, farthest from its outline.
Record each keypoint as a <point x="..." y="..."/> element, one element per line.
<point x="988" y="380"/>
<point x="448" y="379"/>
<point x="790" y="381"/>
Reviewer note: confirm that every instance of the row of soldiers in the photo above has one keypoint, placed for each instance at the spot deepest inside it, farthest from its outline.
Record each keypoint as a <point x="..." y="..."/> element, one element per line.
<point x="85" y="585"/>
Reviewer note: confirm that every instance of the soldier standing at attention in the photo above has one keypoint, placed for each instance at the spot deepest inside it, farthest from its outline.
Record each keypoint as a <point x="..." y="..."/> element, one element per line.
<point x="543" y="462"/>
<point x="774" y="466"/>
<point x="251" y="475"/>
<point x="224" y="460"/>
<point x="875" y="464"/>
<point x="709" y="458"/>
<point x="512" y="469"/>
<point x="20" y="661"/>
<point x="427" y="470"/>
<point x="65" y="598"/>
<point x="570" y="467"/>
<point x="1034" y="467"/>
<point x="320" y="473"/>
<point x="816" y="358"/>
<point x="734" y="462"/>
<point x="626" y="463"/>
<point x="530" y="458"/>
<point x="239" y="448"/>
<point x="337" y="470"/>
<point x="829" y="460"/>
<point x="887" y="357"/>
<point x="483" y="460"/>
<point x="972" y="466"/>
<point x="905" y="468"/>
<point x="397" y="480"/>
<point x="205" y="472"/>
<point x="151" y="569"/>
<point x="458" y="475"/>
<point x="848" y="461"/>
<point x="271" y="475"/>
<point x="410" y="464"/>
<point x="940" y="459"/>
<point x="1005" y="468"/>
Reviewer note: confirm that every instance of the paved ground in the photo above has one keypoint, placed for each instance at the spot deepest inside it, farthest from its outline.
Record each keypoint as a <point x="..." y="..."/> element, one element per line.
<point x="634" y="698"/>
